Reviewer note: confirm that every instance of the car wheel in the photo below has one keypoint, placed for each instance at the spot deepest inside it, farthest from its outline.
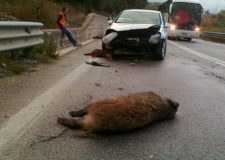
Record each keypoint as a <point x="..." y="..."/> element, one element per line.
<point x="111" y="52"/>
<point x="103" y="46"/>
<point x="160" y="50"/>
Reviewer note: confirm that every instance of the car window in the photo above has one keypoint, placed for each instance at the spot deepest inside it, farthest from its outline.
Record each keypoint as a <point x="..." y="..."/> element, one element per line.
<point x="139" y="17"/>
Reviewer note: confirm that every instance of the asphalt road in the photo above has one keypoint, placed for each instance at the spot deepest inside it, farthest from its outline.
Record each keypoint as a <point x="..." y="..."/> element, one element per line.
<point x="192" y="74"/>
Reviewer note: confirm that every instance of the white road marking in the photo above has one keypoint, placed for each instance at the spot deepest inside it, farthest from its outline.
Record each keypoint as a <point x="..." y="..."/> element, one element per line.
<point x="21" y="121"/>
<point x="211" y="59"/>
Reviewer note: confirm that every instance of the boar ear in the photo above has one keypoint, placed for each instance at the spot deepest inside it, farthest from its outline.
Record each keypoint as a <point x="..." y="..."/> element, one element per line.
<point x="172" y="103"/>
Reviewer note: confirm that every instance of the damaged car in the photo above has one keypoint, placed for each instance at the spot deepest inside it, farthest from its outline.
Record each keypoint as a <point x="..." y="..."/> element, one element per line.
<point x="137" y="31"/>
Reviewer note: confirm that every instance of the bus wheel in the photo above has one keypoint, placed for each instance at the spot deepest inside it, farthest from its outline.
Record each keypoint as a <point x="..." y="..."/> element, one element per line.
<point x="188" y="39"/>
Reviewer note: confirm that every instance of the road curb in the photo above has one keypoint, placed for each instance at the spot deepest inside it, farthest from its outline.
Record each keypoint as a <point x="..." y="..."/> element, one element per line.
<point x="71" y="48"/>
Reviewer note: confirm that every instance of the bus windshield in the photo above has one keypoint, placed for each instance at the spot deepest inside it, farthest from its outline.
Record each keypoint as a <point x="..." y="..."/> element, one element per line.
<point x="186" y="15"/>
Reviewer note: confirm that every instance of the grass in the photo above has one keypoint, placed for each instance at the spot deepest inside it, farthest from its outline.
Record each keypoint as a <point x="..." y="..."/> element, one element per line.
<point x="213" y="29"/>
<point x="10" y="65"/>
<point x="212" y="39"/>
<point x="21" y="61"/>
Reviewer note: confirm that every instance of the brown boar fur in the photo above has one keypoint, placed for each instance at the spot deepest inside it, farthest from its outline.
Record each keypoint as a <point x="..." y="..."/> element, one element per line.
<point x="123" y="113"/>
<point x="99" y="53"/>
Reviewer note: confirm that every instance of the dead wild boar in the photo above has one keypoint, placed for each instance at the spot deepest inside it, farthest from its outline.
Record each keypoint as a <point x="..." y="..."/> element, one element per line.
<point x="122" y="114"/>
<point x="99" y="53"/>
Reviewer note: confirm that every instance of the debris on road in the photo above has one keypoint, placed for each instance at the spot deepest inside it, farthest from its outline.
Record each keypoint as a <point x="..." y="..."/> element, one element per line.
<point x="99" y="53"/>
<point x="3" y="65"/>
<point x="97" y="37"/>
<point x="151" y="156"/>
<point x="94" y="63"/>
<point x="97" y="84"/>
<point x="6" y="116"/>
<point x="4" y="75"/>
<point x="132" y="64"/>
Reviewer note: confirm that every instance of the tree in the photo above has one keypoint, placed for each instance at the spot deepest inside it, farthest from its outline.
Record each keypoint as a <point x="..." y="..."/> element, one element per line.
<point x="37" y="6"/>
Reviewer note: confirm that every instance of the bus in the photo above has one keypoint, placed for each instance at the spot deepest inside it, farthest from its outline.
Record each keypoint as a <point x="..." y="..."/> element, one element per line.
<point x="184" y="17"/>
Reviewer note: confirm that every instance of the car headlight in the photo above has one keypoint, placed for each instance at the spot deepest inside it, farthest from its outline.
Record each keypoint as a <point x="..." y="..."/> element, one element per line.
<point x="173" y="27"/>
<point x="154" y="39"/>
<point x="108" y="38"/>
<point x="197" y="29"/>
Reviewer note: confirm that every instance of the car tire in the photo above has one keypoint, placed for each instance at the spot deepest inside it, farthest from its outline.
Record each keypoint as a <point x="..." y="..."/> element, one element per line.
<point x="111" y="52"/>
<point x="103" y="46"/>
<point x="160" y="50"/>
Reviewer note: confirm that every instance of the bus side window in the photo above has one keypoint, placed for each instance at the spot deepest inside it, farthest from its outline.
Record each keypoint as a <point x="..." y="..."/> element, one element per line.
<point x="163" y="20"/>
<point x="170" y="9"/>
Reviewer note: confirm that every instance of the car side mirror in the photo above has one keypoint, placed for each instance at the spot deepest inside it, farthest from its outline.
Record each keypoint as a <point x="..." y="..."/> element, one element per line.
<point x="110" y="21"/>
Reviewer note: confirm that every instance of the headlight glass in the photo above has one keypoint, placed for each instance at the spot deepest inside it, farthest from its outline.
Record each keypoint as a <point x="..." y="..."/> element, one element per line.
<point x="154" y="39"/>
<point x="197" y="29"/>
<point x="108" y="38"/>
<point x="173" y="27"/>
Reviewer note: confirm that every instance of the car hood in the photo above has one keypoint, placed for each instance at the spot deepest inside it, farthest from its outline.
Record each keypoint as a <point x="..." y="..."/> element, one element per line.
<point x="125" y="27"/>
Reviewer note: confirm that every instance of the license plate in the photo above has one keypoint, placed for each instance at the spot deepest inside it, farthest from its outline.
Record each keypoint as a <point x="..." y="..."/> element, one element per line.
<point x="184" y="34"/>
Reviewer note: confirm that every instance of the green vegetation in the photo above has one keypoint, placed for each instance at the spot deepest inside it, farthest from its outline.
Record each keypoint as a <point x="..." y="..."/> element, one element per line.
<point x="48" y="48"/>
<point x="214" y="22"/>
<point x="9" y="65"/>
<point x="19" y="61"/>
<point x="44" y="11"/>
<point x="110" y="6"/>
<point x="152" y="6"/>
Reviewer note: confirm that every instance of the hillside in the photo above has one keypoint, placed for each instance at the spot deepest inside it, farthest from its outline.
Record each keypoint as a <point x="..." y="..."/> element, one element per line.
<point x="152" y="6"/>
<point x="6" y="17"/>
<point x="46" y="11"/>
<point x="214" y="22"/>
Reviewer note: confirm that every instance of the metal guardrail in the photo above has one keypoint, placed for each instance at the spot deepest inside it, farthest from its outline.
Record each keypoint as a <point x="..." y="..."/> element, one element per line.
<point x="19" y="35"/>
<point x="216" y="35"/>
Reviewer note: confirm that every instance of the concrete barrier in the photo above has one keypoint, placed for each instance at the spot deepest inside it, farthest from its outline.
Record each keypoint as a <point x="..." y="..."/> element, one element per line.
<point x="94" y="25"/>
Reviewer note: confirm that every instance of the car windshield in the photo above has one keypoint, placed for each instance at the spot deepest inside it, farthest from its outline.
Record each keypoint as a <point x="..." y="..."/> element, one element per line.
<point x="139" y="17"/>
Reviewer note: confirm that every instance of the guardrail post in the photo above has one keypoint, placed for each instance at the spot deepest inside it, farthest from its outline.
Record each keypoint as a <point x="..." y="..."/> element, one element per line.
<point x="27" y="52"/>
<point x="14" y="54"/>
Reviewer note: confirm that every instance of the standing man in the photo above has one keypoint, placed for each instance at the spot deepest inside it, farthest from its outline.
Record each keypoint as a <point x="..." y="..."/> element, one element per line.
<point x="63" y="25"/>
